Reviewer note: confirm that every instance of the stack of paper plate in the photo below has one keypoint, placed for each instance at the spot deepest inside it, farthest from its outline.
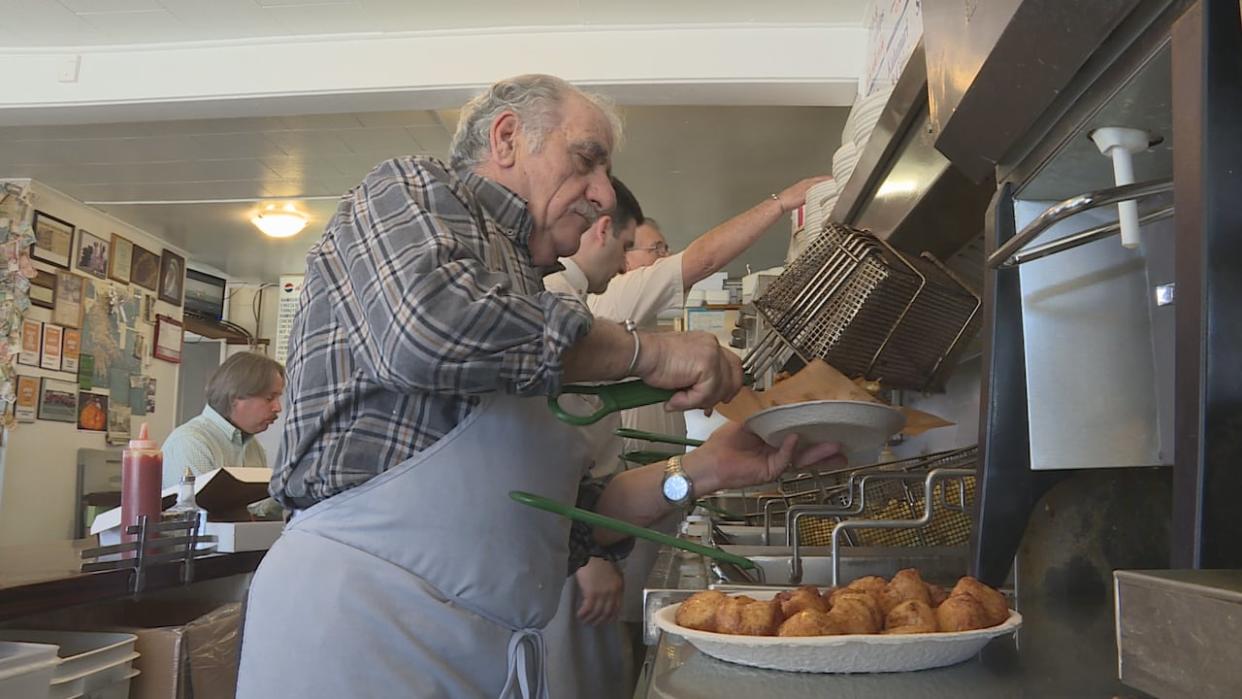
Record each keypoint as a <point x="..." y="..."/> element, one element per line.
<point x="864" y="116"/>
<point x="819" y="202"/>
<point x="843" y="162"/>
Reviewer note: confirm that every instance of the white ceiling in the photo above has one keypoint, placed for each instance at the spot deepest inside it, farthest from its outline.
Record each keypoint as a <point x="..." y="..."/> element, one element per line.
<point x="691" y="168"/>
<point x="31" y="23"/>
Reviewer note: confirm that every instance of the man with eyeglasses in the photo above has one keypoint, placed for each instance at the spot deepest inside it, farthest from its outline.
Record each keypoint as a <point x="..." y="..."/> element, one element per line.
<point x="655" y="282"/>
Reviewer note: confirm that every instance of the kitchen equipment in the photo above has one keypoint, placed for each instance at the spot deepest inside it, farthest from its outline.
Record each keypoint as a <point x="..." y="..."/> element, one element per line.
<point x="865" y="308"/>
<point x="857" y="426"/>
<point x="612" y="397"/>
<point x="657" y="438"/>
<point x="738" y="563"/>
<point x="89" y="660"/>
<point x="839" y="654"/>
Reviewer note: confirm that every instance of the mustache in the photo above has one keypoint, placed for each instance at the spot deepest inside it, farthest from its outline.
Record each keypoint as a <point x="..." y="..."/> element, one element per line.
<point x="587" y="210"/>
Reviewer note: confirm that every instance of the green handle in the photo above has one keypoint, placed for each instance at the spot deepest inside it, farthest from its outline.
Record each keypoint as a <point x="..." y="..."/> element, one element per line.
<point x="655" y="437"/>
<point x="643" y="457"/>
<point x="719" y="512"/>
<point x="598" y="520"/>
<point x="613" y="396"/>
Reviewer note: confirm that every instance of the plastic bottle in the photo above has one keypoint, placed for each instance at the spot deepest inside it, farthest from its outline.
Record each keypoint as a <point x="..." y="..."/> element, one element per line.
<point x="185" y="499"/>
<point x="142" y="471"/>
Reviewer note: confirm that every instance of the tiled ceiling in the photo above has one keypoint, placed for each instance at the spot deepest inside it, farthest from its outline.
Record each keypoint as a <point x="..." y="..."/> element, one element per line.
<point x="692" y="167"/>
<point x="103" y="22"/>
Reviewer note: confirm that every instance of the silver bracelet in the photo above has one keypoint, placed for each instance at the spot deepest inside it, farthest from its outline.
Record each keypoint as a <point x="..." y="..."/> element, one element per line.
<point x="632" y="327"/>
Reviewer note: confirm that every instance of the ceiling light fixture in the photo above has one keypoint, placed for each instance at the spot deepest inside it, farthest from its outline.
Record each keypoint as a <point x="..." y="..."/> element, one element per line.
<point x="280" y="222"/>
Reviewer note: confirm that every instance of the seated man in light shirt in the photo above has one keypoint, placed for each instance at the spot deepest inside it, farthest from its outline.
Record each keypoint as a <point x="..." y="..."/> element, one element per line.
<point x="243" y="399"/>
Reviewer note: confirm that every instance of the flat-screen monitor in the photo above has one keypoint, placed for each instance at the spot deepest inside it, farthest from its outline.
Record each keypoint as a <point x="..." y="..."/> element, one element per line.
<point x="204" y="295"/>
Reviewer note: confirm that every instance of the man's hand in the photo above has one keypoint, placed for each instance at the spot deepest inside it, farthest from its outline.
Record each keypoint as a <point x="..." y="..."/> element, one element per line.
<point x="734" y="457"/>
<point x="795" y="195"/>
<point x="694" y="364"/>
<point x="601" y="585"/>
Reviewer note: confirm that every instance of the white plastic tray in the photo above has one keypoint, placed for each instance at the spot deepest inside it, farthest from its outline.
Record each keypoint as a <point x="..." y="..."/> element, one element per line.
<point x="839" y="654"/>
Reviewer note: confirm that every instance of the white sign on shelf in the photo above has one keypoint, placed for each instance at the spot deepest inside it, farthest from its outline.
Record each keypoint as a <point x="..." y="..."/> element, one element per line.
<point x="287" y="305"/>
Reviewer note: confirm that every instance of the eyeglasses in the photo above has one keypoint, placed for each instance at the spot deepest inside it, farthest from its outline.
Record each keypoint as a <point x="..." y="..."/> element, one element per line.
<point x="659" y="249"/>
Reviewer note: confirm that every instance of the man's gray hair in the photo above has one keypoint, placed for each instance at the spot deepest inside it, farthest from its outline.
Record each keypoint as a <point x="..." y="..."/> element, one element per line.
<point x="535" y="99"/>
<point x="243" y="375"/>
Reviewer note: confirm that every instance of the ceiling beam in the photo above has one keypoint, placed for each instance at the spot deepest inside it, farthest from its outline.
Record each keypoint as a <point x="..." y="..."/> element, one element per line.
<point x="803" y="65"/>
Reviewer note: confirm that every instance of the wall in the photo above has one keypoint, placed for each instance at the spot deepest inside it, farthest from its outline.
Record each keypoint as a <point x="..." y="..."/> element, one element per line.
<point x="958" y="404"/>
<point x="40" y="458"/>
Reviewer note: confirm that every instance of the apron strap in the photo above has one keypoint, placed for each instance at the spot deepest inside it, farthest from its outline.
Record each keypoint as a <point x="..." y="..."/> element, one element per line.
<point x="526" y="646"/>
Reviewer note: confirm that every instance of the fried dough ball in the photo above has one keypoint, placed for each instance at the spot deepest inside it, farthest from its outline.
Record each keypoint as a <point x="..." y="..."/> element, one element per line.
<point x="911" y="616"/>
<point x="906" y="585"/>
<point x="699" y="611"/>
<point x="992" y="600"/>
<point x="870" y="583"/>
<point x="809" y="622"/>
<point x="961" y="613"/>
<point x="744" y="616"/>
<point x="937" y="594"/>
<point x="805" y="597"/>
<point x="856" y="613"/>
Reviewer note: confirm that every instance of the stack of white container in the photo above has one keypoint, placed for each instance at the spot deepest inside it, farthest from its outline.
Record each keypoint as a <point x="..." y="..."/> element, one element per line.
<point x="91" y="665"/>
<point x="864" y="115"/>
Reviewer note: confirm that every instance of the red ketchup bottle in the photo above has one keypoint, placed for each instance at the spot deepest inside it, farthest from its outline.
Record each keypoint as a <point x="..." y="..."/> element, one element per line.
<point x="142" y="474"/>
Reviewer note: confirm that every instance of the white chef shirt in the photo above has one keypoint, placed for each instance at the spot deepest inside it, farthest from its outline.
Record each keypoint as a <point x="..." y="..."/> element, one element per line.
<point x="643" y="294"/>
<point x="604" y="446"/>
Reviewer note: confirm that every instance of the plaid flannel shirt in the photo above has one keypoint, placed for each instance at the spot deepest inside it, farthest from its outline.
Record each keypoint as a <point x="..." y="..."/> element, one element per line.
<point x="419" y="298"/>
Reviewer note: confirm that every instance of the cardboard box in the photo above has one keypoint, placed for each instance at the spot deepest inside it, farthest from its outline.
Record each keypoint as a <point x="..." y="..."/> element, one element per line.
<point x="223" y="494"/>
<point x="186" y="650"/>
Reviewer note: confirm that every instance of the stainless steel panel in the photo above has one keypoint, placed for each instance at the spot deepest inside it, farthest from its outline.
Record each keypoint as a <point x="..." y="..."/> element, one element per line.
<point x="1178" y="632"/>
<point x="941" y="564"/>
<point x="1090" y="365"/>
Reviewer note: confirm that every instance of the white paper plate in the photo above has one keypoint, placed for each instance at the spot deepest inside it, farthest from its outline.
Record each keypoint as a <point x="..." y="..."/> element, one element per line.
<point x="856" y="425"/>
<point x="839" y="654"/>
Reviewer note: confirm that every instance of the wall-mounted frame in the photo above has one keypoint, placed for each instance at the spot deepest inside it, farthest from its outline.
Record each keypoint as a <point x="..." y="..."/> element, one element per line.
<point x="53" y="240"/>
<point x="169" y="336"/>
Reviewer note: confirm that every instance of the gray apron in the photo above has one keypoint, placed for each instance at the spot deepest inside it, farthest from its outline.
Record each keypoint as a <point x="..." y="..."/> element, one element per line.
<point x="427" y="580"/>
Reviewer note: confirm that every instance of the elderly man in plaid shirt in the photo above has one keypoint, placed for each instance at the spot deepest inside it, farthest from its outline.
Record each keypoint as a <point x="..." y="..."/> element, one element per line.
<point x="421" y="357"/>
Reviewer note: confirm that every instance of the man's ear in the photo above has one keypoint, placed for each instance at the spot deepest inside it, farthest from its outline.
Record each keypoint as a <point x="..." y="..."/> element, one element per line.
<point x="602" y="228"/>
<point x="504" y="139"/>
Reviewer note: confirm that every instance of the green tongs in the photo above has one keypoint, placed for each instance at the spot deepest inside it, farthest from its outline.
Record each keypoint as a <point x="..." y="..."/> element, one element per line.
<point x="597" y="520"/>
<point x="613" y="397"/>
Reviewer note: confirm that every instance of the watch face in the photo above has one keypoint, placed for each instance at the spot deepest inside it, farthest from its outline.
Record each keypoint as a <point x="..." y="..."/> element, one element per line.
<point x="676" y="488"/>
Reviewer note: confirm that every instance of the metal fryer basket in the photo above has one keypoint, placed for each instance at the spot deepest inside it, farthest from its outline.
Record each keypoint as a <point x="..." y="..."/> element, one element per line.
<point x="868" y="310"/>
<point x="950" y="523"/>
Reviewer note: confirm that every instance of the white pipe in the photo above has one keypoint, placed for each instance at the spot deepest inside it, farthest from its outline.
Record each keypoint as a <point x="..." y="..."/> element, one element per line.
<point x="1118" y="143"/>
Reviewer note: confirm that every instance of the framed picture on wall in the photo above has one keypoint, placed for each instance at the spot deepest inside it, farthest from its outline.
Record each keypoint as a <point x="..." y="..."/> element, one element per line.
<point x="168" y="337"/>
<point x="58" y="401"/>
<point x="27" y="405"/>
<point x="120" y="259"/>
<point x="53" y="339"/>
<point x="43" y="289"/>
<point x="92" y="412"/>
<point x="32" y="340"/>
<point x="53" y="240"/>
<point x="172" y="277"/>
<point x="144" y="268"/>
<point x="92" y="255"/>
<point x="69" y="290"/>
<point x="71" y="350"/>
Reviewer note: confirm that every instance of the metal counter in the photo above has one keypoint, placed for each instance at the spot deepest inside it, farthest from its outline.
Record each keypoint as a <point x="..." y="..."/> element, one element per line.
<point x="1061" y="651"/>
